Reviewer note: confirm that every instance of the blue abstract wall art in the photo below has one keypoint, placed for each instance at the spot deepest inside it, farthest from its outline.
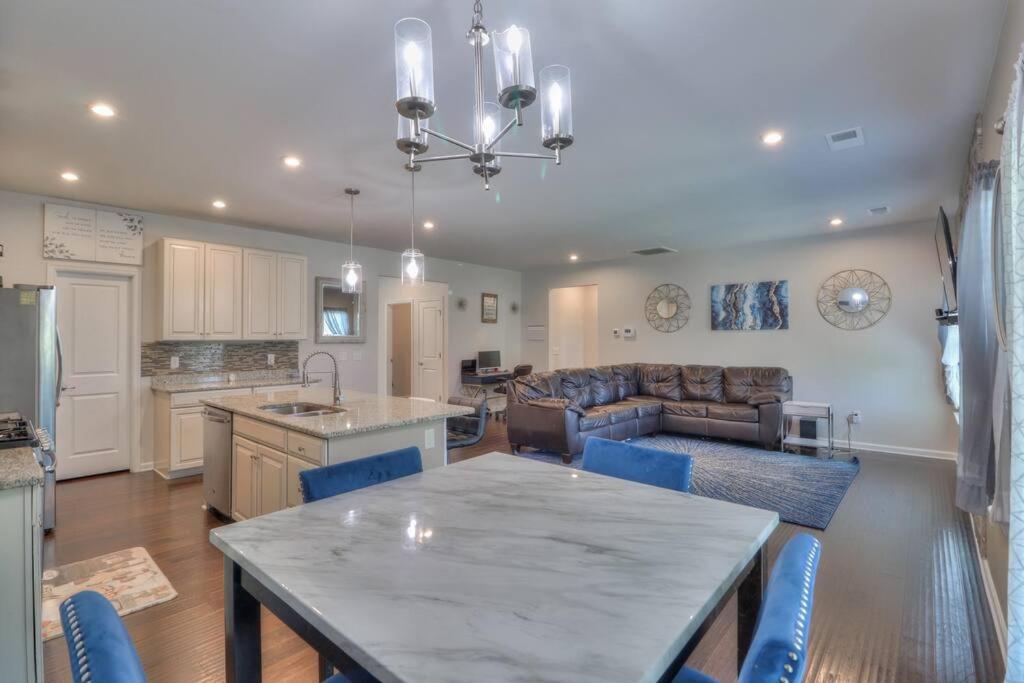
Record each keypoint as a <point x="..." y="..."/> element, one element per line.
<point x="750" y="306"/>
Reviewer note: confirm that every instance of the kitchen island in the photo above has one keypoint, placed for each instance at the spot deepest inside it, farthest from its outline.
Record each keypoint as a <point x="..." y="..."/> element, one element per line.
<point x="274" y="436"/>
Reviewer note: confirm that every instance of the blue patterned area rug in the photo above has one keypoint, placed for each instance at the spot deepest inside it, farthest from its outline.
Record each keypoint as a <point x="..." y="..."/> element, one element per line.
<point x="802" y="489"/>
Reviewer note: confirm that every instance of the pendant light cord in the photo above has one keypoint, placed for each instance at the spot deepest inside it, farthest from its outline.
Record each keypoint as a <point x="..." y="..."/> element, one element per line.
<point x="351" y="227"/>
<point x="412" y="216"/>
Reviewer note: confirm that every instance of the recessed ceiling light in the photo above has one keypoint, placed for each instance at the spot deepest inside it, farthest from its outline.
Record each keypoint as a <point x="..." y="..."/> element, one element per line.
<point x="772" y="137"/>
<point x="292" y="161"/>
<point x="574" y="257"/>
<point x="102" y="109"/>
<point x="69" y="176"/>
<point x="219" y="204"/>
<point x="836" y="222"/>
<point x="428" y="225"/>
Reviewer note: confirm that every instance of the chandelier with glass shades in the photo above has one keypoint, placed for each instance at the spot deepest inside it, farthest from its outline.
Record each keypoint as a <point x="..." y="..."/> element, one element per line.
<point x="516" y="90"/>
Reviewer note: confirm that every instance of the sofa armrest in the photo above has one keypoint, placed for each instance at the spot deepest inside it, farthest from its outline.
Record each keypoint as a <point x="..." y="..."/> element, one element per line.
<point x="769" y="423"/>
<point x="766" y="397"/>
<point x="556" y="404"/>
<point x="547" y="427"/>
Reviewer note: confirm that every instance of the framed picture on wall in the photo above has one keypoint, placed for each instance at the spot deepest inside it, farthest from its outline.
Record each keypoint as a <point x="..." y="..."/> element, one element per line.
<point x="488" y="308"/>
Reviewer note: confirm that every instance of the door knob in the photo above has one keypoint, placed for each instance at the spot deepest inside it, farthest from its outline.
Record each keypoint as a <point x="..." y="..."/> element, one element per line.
<point x="68" y="388"/>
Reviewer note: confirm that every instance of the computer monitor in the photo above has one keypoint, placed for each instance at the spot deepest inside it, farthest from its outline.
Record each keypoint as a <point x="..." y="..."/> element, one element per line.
<point x="488" y="360"/>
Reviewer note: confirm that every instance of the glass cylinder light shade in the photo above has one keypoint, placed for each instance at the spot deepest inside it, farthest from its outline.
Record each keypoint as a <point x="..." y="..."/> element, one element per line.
<point x="487" y="128"/>
<point x="406" y="138"/>
<point x="513" y="67"/>
<point x="555" y="107"/>
<point x="414" y="69"/>
<point x="351" y="277"/>
<point x="413" y="271"/>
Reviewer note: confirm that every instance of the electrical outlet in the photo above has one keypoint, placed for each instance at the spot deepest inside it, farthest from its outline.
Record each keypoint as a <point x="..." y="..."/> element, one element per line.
<point x="357" y="355"/>
<point x="175" y="362"/>
<point x="629" y="332"/>
<point x="428" y="439"/>
<point x="271" y="359"/>
<point x="855" y="417"/>
<point x="342" y="355"/>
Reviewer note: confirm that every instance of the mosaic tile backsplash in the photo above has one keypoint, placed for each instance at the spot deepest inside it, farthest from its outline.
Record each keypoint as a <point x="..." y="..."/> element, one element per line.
<point x="217" y="356"/>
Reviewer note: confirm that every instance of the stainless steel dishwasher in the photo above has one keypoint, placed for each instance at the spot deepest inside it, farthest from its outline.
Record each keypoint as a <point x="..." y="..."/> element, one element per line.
<point x="217" y="460"/>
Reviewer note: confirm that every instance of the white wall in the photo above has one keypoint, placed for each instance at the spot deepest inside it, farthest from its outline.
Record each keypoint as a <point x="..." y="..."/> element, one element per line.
<point x="890" y="372"/>
<point x="21" y="233"/>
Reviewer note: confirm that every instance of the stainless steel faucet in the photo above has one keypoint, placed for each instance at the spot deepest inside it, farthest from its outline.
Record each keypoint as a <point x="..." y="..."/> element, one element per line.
<point x="336" y="378"/>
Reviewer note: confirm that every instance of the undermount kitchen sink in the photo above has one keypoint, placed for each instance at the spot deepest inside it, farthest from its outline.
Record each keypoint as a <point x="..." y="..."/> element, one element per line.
<point x="301" y="409"/>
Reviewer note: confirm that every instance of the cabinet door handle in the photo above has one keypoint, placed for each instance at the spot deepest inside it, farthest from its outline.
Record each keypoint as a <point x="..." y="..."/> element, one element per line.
<point x="301" y="449"/>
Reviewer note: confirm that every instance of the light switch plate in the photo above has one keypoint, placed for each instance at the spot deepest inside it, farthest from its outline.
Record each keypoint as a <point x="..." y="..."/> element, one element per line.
<point x="629" y="332"/>
<point x="271" y="359"/>
<point x="428" y="438"/>
<point x="342" y="355"/>
<point x="175" y="362"/>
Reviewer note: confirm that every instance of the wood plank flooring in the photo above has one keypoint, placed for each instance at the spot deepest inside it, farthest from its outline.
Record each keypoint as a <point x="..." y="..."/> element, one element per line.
<point x="899" y="596"/>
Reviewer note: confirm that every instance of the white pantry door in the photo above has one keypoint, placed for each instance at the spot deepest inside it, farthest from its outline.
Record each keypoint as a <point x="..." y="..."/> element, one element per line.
<point x="94" y="417"/>
<point x="430" y="349"/>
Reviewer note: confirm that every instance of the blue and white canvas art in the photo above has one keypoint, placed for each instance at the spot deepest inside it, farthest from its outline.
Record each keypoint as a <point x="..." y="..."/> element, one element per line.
<point x="750" y="306"/>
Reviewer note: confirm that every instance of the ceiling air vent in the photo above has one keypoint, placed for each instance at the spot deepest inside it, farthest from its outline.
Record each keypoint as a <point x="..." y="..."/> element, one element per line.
<point x="845" y="139"/>
<point x="879" y="211"/>
<point x="655" y="250"/>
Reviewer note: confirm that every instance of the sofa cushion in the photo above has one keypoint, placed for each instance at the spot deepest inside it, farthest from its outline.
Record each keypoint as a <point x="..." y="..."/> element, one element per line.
<point x="645" y="405"/>
<point x="662" y="381"/>
<point x="742" y="383"/>
<point x="602" y="385"/>
<point x="732" y="412"/>
<point x="686" y="408"/>
<point x="626" y="379"/>
<point x="536" y="385"/>
<point x="703" y="383"/>
<point x="602" y="416"/>
<point x="576" y="386"/>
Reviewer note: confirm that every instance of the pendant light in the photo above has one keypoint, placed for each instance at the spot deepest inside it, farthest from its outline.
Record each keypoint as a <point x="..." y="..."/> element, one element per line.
<point x="412" y="258"/>
<point x="351" y="271"/>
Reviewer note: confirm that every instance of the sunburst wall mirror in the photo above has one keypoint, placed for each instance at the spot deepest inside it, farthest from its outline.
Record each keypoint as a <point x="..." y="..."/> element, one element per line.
<point x="854" y="299"/>
<point x="668" y="308"/>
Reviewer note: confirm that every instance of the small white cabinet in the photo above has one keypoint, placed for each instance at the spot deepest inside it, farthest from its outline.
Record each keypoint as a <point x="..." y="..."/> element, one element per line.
<point x="276" y="294"/>
<point x="21" y="568"/>
<point x="260" y="476"/>
<point x="202" y="290"/>
<point x="244" y="468"/>
<point x="273" y="475"/>
<point x="186" y="438"/>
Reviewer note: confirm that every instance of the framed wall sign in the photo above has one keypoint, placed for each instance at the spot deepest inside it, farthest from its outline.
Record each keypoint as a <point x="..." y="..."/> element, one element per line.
<point x="71" y="232"/>
<point x="488" y="308"/>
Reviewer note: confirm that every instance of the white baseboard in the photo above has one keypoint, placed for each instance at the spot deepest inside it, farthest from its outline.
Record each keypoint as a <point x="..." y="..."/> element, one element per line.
<point x="998" y="621"/>
<point x="876" y="447"/>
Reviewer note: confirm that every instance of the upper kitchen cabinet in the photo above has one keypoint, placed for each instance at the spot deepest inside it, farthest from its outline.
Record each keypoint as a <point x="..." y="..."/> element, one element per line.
<point x="276" y="295"/>
<point x="219" y="292"/>
<point x="202" y="290"/>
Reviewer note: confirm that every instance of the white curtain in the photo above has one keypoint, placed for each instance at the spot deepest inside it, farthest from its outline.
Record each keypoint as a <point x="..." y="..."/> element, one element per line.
<point x="1013" y="244"/>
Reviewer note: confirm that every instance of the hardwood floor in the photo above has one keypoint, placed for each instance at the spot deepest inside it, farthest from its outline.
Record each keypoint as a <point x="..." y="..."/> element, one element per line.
<point x="899" y="595"/>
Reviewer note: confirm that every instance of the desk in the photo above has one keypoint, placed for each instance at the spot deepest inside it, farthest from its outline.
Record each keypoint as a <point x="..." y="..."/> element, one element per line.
<point x="475" y="383"/>
<point x="539" y="572"/>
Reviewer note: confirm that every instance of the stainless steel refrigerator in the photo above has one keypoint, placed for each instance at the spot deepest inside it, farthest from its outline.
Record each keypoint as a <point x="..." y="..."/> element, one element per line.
<point x="30" y="372"/>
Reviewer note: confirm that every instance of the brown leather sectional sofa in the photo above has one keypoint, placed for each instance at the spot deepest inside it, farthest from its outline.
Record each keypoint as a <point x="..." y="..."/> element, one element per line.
<point x="558" y="411"/>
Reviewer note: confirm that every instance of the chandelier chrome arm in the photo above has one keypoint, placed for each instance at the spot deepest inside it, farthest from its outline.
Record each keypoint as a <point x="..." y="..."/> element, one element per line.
<point x="517" y="121"/>
<point x="457" y="143"/>
<point x="443" y="157"/>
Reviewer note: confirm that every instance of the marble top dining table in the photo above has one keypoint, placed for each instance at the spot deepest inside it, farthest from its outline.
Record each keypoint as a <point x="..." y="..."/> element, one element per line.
<point x="498" y="568"/>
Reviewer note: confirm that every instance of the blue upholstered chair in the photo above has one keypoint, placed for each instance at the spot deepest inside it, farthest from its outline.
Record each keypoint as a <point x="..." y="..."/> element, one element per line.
<point x="324" y="482"/>
<point x="99" y="647"/>
<point x="637" y="463"/>
<point x="778" y="653"/>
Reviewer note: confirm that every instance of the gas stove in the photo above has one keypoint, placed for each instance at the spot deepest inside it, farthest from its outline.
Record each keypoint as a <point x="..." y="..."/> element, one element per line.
<point x="17" y="432"/>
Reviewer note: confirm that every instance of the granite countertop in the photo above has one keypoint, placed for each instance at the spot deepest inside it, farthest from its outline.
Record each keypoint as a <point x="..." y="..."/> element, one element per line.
<point x="486" y="569"/>
<point x="18" y="467"/>
<point x="173" y="384"/>
<point x="363" y="412"/>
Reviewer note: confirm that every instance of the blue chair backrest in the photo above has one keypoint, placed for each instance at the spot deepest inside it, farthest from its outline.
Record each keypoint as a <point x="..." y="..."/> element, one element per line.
<point x="779" y="649"/>
<point x="638" y="463"/>
<point x="324" y="482"/>
<point x="98" y="644"/>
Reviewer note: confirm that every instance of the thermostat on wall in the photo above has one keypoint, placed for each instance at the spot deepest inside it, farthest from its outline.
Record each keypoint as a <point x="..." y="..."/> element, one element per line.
<point x="629" y="333"/>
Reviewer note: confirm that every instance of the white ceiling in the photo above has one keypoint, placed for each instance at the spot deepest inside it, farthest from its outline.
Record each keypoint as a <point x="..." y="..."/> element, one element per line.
<point x="669" y="99"/>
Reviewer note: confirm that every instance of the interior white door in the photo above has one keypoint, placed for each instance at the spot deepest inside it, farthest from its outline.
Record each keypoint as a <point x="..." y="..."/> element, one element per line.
<point x="429" y="336"/>
<point x="93" y="418"/>
<point x="223" y="288"/>
<point x="260" y="292"/>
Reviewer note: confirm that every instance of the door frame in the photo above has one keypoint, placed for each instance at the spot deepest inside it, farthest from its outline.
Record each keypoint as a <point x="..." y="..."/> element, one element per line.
<point x="391" y="291"/>
<point x="134" y="346"/>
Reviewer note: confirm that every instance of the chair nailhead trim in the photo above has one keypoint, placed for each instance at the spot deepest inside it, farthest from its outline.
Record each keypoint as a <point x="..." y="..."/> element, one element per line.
<point x="76" y="633"/>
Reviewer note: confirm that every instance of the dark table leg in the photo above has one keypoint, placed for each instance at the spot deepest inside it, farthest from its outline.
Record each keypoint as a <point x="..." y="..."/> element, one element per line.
<point x="242" y="655"/>
<point x="748" y="598"/>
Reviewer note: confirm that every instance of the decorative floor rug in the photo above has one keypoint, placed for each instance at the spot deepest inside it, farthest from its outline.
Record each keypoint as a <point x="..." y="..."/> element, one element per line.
<point x="128" y="578"/>
<point x="803" y="489"/>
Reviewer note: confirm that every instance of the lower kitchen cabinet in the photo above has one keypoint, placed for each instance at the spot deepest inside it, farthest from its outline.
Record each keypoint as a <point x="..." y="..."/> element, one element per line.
<point x="273" y="469"/>
<point x="264" y="479"/>
<point x="244" y="466"/>
<point x="296" y="465"/>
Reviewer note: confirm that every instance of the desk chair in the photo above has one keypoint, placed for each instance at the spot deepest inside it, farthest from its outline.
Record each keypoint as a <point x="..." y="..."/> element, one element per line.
<point x="466" y="430"/>
<point x="517" y="371"/>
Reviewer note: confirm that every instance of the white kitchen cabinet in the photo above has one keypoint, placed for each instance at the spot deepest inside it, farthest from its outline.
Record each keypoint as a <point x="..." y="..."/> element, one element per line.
<point x="273" y="476"/>
<point x="186" y="438"/>
<point x="276" y="295"/>
<point x="223" y="288"/>
<point x="202" y="290"/>
<point x="183" y="296"/>
<point x="244" y="475"/>
<point x="21" y="568"/>
<point x="296" y="465"/>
